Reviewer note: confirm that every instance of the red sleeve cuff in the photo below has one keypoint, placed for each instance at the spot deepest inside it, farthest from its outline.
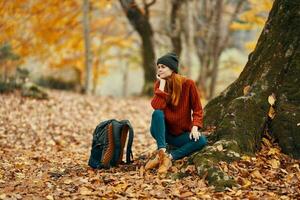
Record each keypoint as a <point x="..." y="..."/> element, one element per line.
<point x="162" y="94"/>
<point x="199" y="124"/>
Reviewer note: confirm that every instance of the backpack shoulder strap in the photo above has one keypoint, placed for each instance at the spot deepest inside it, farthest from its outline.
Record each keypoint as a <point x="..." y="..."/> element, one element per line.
<point x="129" y="155"/>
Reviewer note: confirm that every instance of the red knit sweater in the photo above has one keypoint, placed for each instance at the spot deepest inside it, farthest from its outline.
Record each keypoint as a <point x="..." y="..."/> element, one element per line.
<point x="186" y="114"/>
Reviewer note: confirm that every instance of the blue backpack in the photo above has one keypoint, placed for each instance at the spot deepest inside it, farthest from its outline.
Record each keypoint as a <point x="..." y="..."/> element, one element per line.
<point x="108" y="144"/>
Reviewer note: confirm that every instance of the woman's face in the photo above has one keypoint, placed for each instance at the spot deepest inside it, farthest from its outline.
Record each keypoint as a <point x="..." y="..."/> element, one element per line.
<point x="163" y="71"/>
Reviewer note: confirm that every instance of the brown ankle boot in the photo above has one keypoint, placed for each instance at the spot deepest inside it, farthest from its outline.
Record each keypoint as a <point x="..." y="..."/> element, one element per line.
<point x="152" y="163"/>
<point x="165" y="162"/>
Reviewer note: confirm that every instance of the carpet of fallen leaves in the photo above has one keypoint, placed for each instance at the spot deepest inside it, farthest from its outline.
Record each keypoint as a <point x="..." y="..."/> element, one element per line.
<point x="45" y="146"/>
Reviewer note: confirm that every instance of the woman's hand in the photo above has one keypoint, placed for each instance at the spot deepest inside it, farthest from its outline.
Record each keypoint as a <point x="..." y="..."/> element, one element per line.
<point x="162" y="83"/>
<point x="195" y="134"/>
<point x="158" y="77"/>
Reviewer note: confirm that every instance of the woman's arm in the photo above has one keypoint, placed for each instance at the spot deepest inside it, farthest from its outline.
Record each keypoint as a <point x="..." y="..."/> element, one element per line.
<point x="196" y="106"/>
<point x="159" y="101"/>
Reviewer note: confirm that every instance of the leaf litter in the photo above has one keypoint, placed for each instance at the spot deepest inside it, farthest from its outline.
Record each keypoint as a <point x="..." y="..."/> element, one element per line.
<point x="45" y="146"/>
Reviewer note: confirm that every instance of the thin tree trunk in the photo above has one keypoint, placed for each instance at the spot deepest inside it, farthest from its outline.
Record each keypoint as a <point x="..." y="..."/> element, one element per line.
<point x="175" y="26"/>
<point x="3" y="71"/>
<point x="216" y="44"/>
<point x="140" y="22"/>
<point x="241" y="118"/>
<point x="125" y="80"/>
<point x="189" y="35"/>
<point x="88" y="56"/>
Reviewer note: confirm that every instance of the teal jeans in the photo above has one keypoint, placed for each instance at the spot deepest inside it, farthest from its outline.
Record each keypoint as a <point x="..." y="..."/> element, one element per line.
<point x="184" y="145"/>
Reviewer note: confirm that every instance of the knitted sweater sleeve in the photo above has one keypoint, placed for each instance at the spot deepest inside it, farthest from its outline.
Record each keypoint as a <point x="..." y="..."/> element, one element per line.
<point x="159" y="101"/>
<point x="196" y="106"/>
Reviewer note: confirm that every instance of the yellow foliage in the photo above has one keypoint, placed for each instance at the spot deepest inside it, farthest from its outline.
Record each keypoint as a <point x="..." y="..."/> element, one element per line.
<point x="53" y="31"/>
<point x="250" y="45"/>
<point x="239" y="26"/>
<point x="253" y="18"/>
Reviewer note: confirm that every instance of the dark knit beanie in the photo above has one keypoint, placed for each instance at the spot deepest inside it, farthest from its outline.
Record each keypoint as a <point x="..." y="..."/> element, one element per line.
<point x="170" y="60"/>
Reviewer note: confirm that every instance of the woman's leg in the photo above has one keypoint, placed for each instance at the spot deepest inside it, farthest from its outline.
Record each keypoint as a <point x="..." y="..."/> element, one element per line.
<point x="158" y="131"/>
<point x="185" y="146"/>
<point x="158" y="128"/>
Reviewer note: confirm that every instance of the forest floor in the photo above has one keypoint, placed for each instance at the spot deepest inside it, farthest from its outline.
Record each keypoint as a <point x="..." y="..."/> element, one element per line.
<point x="45" y="146"/>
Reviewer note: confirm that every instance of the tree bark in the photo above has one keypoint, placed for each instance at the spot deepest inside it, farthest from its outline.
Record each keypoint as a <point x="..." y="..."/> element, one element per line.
<point x="140" y="22"/>
<point x="241" y="118"/>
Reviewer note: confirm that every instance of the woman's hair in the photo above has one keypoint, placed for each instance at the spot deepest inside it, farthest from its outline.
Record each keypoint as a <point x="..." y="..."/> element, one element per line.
<point x="174" y="87"/>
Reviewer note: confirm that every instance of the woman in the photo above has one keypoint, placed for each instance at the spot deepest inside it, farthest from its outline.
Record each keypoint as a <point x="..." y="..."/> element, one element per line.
<point x="178" y="115"/>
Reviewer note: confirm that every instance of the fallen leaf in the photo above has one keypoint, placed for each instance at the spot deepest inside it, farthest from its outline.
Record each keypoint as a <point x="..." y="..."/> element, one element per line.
<point x="190" y="168"/>
<point x="246" y="158"/>
<point x="68" y="181"/>
<point x="256" y="174"/>
<point x="84" y="191"/>
<point x="273" y="151"/>
<point x="238" y="193"/>
<point x="247" y="89"/>
<point x="275" y="164"/>
<point x="219" y="147"/>
<point x="272" y="99"/>
<point x="271" y="112"/>
<point x="2" y="196"/>
<point x="186" y="194"/>
<point x="266" y="142"/>
<point x="142" y="171"/>
<point x="49" y="197"/>
<point x="246" y="183"/>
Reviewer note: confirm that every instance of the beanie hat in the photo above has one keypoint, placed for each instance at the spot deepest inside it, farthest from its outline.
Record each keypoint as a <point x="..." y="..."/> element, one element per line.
<point x="170" y="60"/>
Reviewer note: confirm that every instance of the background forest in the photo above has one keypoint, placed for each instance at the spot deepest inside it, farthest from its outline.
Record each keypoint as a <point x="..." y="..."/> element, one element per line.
<point x="62" y="45"/>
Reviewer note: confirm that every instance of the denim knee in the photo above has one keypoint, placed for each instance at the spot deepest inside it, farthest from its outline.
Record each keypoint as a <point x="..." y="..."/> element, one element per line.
<point x="158" y="114"/>
<point x="201" y="142"/>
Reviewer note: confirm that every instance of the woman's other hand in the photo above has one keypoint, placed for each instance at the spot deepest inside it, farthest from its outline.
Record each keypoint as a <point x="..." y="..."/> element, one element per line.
<point x="195" y="134"/>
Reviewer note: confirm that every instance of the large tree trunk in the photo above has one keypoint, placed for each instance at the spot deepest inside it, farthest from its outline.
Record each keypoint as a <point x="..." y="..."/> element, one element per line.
<point x="240" y="117"/>
<point x="140" y="21"/>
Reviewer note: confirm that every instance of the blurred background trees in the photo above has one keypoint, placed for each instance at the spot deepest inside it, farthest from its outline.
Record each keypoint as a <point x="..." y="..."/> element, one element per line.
<point x="110" y="47"/>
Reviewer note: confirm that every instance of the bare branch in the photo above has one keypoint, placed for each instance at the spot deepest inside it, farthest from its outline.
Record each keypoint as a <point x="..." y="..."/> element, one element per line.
<point x="233" y="17"/>
<point x="147" y="6"/>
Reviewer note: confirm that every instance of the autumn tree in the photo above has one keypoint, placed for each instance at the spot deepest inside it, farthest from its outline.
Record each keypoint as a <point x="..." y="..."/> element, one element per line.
<point x="212" y="36"/>
<point x="139" y="19"/>
<point x="240" y="113"/>
<point x="52" y="32"/>
<point x="253" y="18"/>
<point x="175" y="30"/>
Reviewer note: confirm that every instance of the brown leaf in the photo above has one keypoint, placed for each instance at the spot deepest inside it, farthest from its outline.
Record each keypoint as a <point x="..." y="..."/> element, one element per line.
<point x="247" y="89"/>
<point x="142" y="171"/>
<point x="186" y="194"/>
<point x="256" y="174"/>
<point x="84" y="191"/>
<point x="271" y="112"/>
